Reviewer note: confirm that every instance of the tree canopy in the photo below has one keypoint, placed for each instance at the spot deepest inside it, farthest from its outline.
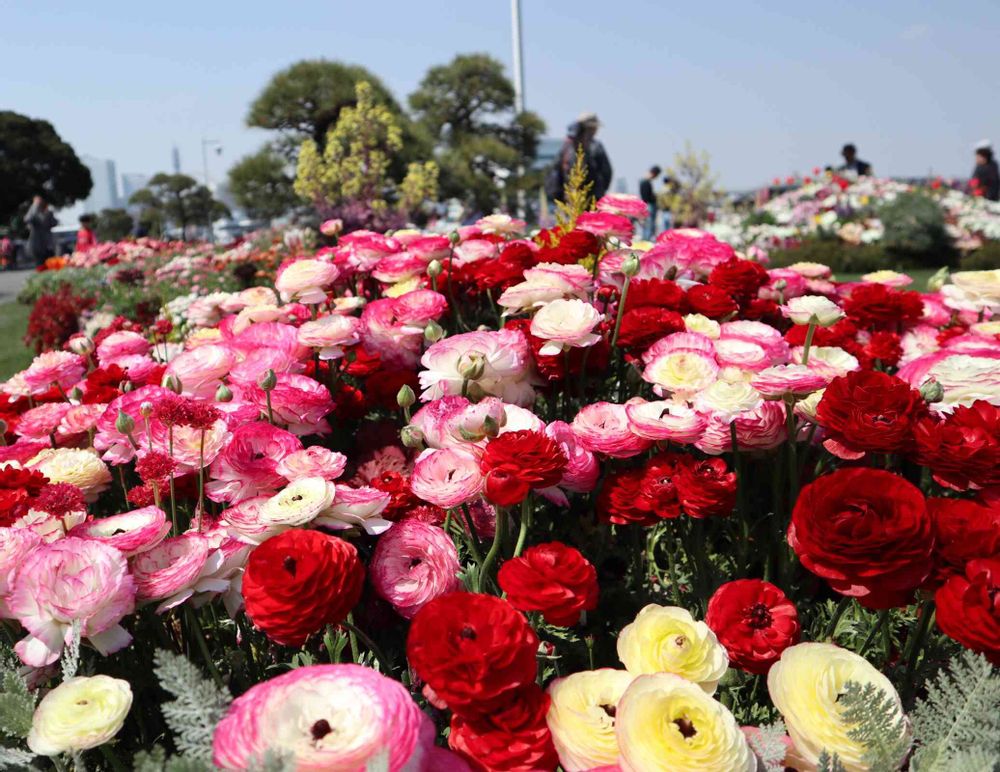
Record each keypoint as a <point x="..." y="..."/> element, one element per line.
<point x="34" y="160"/>
<point x="113" y="224"/>
<point x="179" y="199"/>
<point x="262" y="185"/>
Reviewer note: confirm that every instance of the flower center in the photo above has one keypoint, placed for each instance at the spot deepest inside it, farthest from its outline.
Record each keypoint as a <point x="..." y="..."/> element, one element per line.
<point x="468" y="633"/>
<point x="680" y="641"/>
<point x="611" y="710"/>
<point x="757" y="616"/>
<point x="414" y="562"/>
<point x="289" y="564"/>
<point x="320" y="729"/>
<point x="685" y="726"/>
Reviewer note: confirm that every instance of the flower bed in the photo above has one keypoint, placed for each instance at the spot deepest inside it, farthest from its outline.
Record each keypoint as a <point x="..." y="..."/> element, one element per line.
<point x="491" y="501"/>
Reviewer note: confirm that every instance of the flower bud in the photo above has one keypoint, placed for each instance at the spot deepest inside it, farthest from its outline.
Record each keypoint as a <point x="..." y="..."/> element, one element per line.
<point x="780" y="285"/>
<point x="3" y="427"/>
<point x="81" y="345"/>
<point x="405" y="397"/>
<point x="172" y="382"/>
<point x="472" y="365"/>
<point x="411" y="436"/>
<point x="223" y="393"/>
<point x="434" y="268"/>
<point x="936" y="282"/>
<point x="490" y="426"/>
<point x="433" y="332"/>
<point x="146" y="409"/>
<point x="124" y="424"/>
<point x="630" y="266"/>
<point x="454" y="238"/>
<point x="932" y="391"/>
<point x="268" y="380"/>
<point x="126" y="386"/>
<point x="76" y="394"/>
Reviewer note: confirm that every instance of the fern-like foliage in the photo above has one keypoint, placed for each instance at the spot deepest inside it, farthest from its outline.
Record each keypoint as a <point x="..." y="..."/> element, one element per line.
<point x="577" y="196"/>
<point x="828" y="763"/>
<point x="156" y="760"/>
<point x="769" y="746"/>
<point x="959" y="721"/>
<point x="71" y="654"/>
<point x="198" y="705"/>
<point x="17" y="703"/>
<point x="877" y="723"/>
<point x="12" y="758"/>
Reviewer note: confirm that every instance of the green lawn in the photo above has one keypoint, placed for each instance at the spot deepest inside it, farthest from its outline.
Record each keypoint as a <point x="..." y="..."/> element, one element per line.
<point x="920" y="277"/>
<point x="14" y="355"/>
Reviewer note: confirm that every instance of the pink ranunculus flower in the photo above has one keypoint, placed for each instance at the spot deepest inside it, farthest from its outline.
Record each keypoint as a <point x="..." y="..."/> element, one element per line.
<point x="393" y="328"/>
<point x="365" y="248"/>
<point x="398" y="268"/>
<point x="80" y="419"/>
<point x="226" y="580"/>
<point x="324" y="718"/>
<point x="190" y="447"/>
<point x="331" y="227"/>
<point x="692" y="249"/>
<point x="508" y="368"/>
<point x="741" y="353"/>
<point x="243" y="521"/>
<point x="783" y="381"/>
<point x="248" y="465"/>
<point x="582" y="468"/>
<point x="51" y="526"/>
<point x="623" y="204"/>
<point x="202" y="370"/>
<point x="169" y="572"/>
<point x="316" y="461"/>
<point x="356" y="508"/>
<point x="305" y="280"/>
<point x="130" y="532"/>
<point x="40" y="422"/>
<point x="603" y="427"/>
<point x="256" y="363"/>
<point x="447" y="477"/>
<point x="457" y="422"/>
<point x="502" y="224"/>
<point x="15" y="546"/>
<point x="297" y="401"/>
<point x="517" y="419"/>
<point x="764" y="335"/>
<point x="414" y="563"/>
<point x="21" y="451"/>
<point x="544" y="283"/>
<point x="429" y="248"/>
<point x="61" y="368"/>
<point x="71" y="580"/>
<point x="330" y="335"/>
<point x="120" y="344"/>
<point x="761" y="428"/>
<point x="795" y="284"/>
<point x="665" y="420"/>
<point x="565" y="324"/>
<point x="605" y="225"/>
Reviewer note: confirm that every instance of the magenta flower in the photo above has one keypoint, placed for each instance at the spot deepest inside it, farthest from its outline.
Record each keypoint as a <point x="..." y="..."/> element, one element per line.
<point x="248" y="465"/>
<point x="414" y="563"/>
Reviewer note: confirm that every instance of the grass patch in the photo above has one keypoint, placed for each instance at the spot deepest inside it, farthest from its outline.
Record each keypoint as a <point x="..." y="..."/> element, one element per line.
<point x="14" y="355"/>
<point x="919" y="275"/>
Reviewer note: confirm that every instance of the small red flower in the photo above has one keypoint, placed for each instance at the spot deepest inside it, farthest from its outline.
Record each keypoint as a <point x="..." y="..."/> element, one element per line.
<point x="552" y="578"/>
<point x="964" y="530"/>
<point x="877" y="306"/>
<point x="515" y="462"/>
<point x="706" y="488"/>
<point x="754" y="621"/>
<point x="968" y="608"/>
<point x="711" y="301"/>
<point x="963" y="449"/>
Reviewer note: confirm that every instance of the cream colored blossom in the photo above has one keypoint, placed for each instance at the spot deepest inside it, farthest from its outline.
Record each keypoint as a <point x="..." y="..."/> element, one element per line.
<point x="78" y="714"/>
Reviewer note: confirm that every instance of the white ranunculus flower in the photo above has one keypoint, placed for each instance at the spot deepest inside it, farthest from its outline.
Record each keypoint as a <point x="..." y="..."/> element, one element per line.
<point x="812" y="309"/>
<point x="78" y="714"/>
<point x="299" y="503"/>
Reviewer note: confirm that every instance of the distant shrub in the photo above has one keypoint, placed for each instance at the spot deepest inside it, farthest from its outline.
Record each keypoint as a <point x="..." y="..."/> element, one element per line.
<point x="986" y="258"/>
<point x="915" y="231"/>
<point x="842" y="258"/>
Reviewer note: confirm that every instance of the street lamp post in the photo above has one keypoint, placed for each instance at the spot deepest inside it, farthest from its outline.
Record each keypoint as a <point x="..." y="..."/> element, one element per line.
<point x="205" y="145"/>
<point x="515" y="21"/>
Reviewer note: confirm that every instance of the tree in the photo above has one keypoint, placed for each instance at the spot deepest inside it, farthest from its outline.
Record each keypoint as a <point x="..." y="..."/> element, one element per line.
<point x="113" y="224"/>
<point x="692" y="188"/>
<point x="261" y="184"/>
<point x="467" y="107"/>
<point x="179" y="199"/>
<point x="34" y="160"/>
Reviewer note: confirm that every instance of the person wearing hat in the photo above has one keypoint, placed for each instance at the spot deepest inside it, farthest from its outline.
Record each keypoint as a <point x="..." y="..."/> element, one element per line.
<point x="582" y="133"/>
<point x="986" y="176"/>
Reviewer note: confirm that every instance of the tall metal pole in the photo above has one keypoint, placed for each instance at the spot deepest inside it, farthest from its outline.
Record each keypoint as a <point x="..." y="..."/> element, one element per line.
<point x="515" y="22"/>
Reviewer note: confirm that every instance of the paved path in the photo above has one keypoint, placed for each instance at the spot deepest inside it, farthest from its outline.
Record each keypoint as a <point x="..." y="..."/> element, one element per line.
<point x="11" y="283"/>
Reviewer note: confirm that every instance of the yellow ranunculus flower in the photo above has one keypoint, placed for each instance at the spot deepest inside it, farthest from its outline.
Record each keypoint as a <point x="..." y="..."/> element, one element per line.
<point x="667" y="639"/>
<point x="78" y="714"/>
<point x="665" y="722"/>
<point x="300" y="502"/>
<point x="82" y="468"/>
<point x="702" y="324"/>
<point x="805" y="685"/>
<point x="581" y="717"/>
<point x="402" y="287"/>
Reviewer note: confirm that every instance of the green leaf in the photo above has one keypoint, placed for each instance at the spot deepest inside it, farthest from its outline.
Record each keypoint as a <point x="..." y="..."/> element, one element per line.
<point x="878" y="724"/>
<point x="198" y="705"/>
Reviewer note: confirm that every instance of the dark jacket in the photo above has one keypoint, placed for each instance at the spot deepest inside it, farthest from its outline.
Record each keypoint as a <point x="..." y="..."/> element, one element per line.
<point x="40" y="224"/>
<point x="595" y="157"/>
<point x="646" y="191"/>
<point x="987" y="176"/>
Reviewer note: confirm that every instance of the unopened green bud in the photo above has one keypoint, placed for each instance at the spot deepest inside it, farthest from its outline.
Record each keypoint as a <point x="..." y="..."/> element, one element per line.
<point x="124" y="423"/>
<point x="434" y="268"/>
<point x="76" y="394"/>
<point x="3" y="427"/>
<point x="433" y="332"/>
<point x="172" y="382"/>
<point x="932" y="391"/>
<point x="146" y="409"/>
<point x="490" y="426"/>
<point x="472" y="365"/>
<point x="630" y="265"/>
<point x="937" y="281"/>
<point x="223" y="393"/>
<point x="405" y="397"/>
<point x="780" y="285"/>
<point x="454" y="238"/>
<point x="268" y="380"/>
<point x="411" y="436"/>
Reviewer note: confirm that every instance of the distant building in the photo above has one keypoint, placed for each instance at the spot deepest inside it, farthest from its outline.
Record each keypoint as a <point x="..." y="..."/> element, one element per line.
<point x="621" y="185"/>
<point x="548" y="152"/>
<point x="175" y="157"/>
<point x="132" y="183"/>
<point x="104" y="194"/>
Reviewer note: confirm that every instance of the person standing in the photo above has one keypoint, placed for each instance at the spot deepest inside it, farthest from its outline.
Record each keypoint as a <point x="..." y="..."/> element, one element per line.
<point x="85" y="237"/>
<point x="581" y="134"/>
<point x="40" y="221"/>
<point x="986" y="175"/>
<point x="853" y="166"/>
<point x="648" y="195"/>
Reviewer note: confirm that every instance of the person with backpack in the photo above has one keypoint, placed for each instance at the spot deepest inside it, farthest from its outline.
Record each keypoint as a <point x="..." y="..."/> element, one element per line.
<point x="648" y="195"/>
<point x="580" y="134"/>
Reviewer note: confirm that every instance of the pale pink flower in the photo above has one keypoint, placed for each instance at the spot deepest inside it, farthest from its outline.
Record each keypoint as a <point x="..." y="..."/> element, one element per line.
<point x="812" y="270"/>
<point x="138" y="367"/>
<point x="565" y="324"/>
<point x="202" y="370"/>
<point x="603" y="427"/>
<point x="582" y="468"/>
<point x="447" y="477"/>
<point x="130" y="532"/>
<point x="935" y="311"/>
<point x="325" y="718"/>
<point x="692" y="249"/>
<point x="15" y="546"/>
<point x="828" y="361"/>
<point x="455" y="421"/>
<point x="244" y="522"/>
<point x="121" y="344"/>
<point x="226" y="580"/>
<point x="256" y="363"/>
<point x="474" y="250"/>
<point x="115" y="446"/>
<point x="516" y="419"/>
<point x="356" y="508"/>
<point x="330" y="334"/>
<point x="502" y="224"/>
<point x="623" y="204"/>
<point x="793" y="285"/>
<point x="762" y="428"/>
<point x="679" y="341"/>
<point x="741" y="353"/>
<point x="297" y="401"/>
<point x="681" y="371"/>
<point x="544" y="283"/>
<point x="248" y="465"/>
<point x="71" y="580"/>
<point x="429" y="248"/>
<point x="49" y="526"/>
<point x="169" y="572"/>
<point x="398" y="268"/>
<point x="508" y="368"/>
<point x="40" y="422"/>
<point x="764" y="335"/>
<point x="414" y="563"/>
<point x="190" y="448"/>
<point x="61" y="368"/>
<point x="284" y="337"/>
<point x="80" y="419"/>
<point x="361" y="250"/>
<point x="316" y="461"/>
<point x="605" y="225"/>
<point x="783" y="381"/>
<point x="331" y="227"/>
<point x="665" y="420"/>
<point x="393" y="328"/>
<point x="305" y="280"/>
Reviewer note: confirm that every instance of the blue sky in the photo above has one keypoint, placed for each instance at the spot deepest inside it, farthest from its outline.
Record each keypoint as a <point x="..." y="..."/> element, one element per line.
<point x="766" y="88"/>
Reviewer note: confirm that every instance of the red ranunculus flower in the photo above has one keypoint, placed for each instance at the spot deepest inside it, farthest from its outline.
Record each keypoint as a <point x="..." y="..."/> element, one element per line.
<point x="738" y="277"/>
<point x="877" y="306"/>
<point x="552" y="578"/>
<point x="663" y="293"/>
<point x="711" y="301"/>
<point x="839" y="334"/>
<point x="754" y="621"/>
<point x="658" y="491"/>
<point x="869" y="411"/>
<point x="643" y="326"/>
<point x="963" y="449"/>
<point x="299" y="581"/>
<point x="512" y="738"/>
<point x="619" y="501"/>
<point x="885" y="347"/>
<point x="706" y="488"/>
<point x="472" y="650"/>
<point x="17" y="488"/>
<point x="515" y="462"/>
<point x="865" y="531"/>
<point x="964" y="530"/>
<point x="968" y="608"/>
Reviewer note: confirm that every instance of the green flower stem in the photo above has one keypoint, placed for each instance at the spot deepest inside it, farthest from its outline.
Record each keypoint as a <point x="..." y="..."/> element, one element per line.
<point x="522" y="534"/>
<point x="201" y="478"/>
<point x="808" y="344"/>
<point x="831" y="628"/>
<point x="348" y="625"/>
<point x="499" y="529"/>
<point x="916" y="644"/>
<point x="112" y="758"/>
<point x="173" y="498"/>
<point x="883" y="615"/>
<point x="270" y="413"/>
<point x="473" y="537"/>
<point x="621" y="311"/>
<point x="199" y="636"/>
